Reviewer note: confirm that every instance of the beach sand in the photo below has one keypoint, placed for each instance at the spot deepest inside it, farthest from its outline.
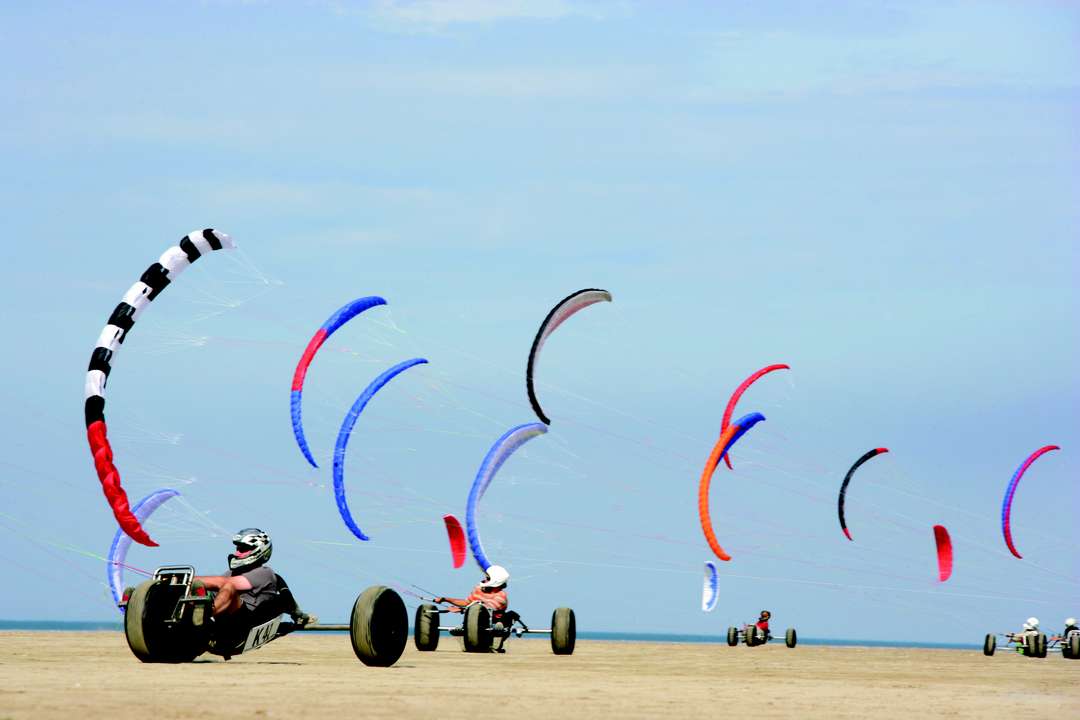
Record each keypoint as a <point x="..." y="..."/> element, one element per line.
<point x="93" y="675"/>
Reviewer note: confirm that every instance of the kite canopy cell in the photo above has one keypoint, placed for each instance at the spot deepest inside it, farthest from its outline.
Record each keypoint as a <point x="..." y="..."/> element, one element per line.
<point x="847" y="479"/>
<point x="737" y="395"/>
<point x="728" y="438"/>
<point x="118" y="550"/>
<point x="157" y="277"/>
<point x="341" y="316"/>
<point x="1010" y="492"/>
<point x="566" y="307"/>
<point x="346" y="431"/>
<point x="944" y="552"/>
<point x="499" y="453"/>
<point x="710" y="587"/>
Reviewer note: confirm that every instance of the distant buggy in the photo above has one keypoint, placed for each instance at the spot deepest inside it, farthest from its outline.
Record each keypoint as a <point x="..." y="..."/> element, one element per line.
<point x="753" y="636"/>
<point x="481" y="628"/>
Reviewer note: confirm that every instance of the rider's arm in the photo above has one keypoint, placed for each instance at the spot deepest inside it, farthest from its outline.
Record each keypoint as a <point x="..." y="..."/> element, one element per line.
<point x="458" y="602"/>
<point x="216" y="582"/>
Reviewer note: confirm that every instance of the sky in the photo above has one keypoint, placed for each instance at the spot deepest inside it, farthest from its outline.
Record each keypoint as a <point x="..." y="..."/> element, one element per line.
<point x="882" y="195"/>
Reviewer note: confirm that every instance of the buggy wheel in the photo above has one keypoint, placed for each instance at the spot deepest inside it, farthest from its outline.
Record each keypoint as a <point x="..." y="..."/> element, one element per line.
<point x="750" y="635"/>
<point x="379" y="626"/>
<point x="138" y="622"/>
<point x="1036" y="645"/>
<point x="426" y="628"/>
<point x="563" y="631"/>
<point x="733" y="636"/>
<point x="1073" y="643"/>
<point x="477" y="626"/>
<point x="790" y="638"/>
<point x="989" y="644"/>
<point x="149" y="605"/>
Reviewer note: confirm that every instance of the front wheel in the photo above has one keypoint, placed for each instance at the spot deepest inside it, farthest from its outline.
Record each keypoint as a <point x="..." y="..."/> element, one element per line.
<point x="989" y="644"/>
<point x="733" y="636"/>
<point x="148" y="635"/>
<point x="426" y="628"/>
<point x="790" y="638"/>
<point x="563" y="631"/>
<point x="477" y="628"/>
<point x="379" y="626"/>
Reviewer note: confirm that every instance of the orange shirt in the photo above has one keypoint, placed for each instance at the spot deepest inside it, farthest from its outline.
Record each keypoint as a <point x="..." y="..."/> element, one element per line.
<point x="495" y="601"/>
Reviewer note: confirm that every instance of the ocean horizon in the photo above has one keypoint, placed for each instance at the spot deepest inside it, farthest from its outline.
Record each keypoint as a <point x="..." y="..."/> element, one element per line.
<point x="612" y="636"/>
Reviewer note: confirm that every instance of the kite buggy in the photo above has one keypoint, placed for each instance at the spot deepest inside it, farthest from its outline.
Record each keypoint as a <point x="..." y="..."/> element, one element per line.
<point x="753" y="636"/>
<point x="484" y="630"/>
<point x="758" y="633"/>
<point x="167" y="619"/>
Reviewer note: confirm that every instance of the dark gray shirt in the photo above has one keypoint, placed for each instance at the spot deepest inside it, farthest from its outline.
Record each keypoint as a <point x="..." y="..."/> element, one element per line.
<point x="263" y="585"/>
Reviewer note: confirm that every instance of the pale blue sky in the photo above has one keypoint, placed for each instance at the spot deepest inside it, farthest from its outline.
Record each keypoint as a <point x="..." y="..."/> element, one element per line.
<point x="882" y="195"/>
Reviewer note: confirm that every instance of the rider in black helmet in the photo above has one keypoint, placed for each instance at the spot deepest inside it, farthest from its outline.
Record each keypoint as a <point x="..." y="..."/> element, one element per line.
<point x="251" y="584"/>
<point x="762" y="624"/>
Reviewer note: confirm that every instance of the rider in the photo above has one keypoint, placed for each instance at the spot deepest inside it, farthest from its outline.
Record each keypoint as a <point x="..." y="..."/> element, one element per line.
<point x="762" y="623"/>
<point x="251" y="583"/>
<point x="1070" y="626"/>
<point x="491" y="593"/>
<point x="1031" y="629"/>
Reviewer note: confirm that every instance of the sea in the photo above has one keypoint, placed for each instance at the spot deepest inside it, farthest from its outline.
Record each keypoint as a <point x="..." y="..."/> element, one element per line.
<point x="111" y="626"/>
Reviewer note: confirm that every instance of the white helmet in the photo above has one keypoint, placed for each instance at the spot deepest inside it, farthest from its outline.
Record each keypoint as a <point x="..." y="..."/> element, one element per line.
<point x="253" y="548"/>
<point x="1070" y="622"/>
<point x="1032" y="623"/>
<point x="496" y="576"/>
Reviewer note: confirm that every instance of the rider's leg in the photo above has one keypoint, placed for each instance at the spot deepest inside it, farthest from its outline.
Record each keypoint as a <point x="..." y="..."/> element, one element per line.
<point x="499" y="639"/>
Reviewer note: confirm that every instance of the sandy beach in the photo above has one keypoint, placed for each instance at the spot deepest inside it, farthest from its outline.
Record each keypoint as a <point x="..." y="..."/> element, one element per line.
<point x="92" y="675"/>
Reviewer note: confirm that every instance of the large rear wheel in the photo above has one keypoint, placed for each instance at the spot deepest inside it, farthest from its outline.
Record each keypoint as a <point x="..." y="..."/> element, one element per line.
<point x="563" y="631"/>
<point x="1072" y="642"/>
<point x="379" y="627"/>
<point x="426" y="628"/>
<point x="477" y="628"/>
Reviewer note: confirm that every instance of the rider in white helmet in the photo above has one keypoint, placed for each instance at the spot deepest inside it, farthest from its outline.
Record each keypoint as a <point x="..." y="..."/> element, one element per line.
<point x="251" y="583"/>
<point x="1070" y="627"/>
<point x="491" y="593"/>
<point x="1030" y="629"/>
